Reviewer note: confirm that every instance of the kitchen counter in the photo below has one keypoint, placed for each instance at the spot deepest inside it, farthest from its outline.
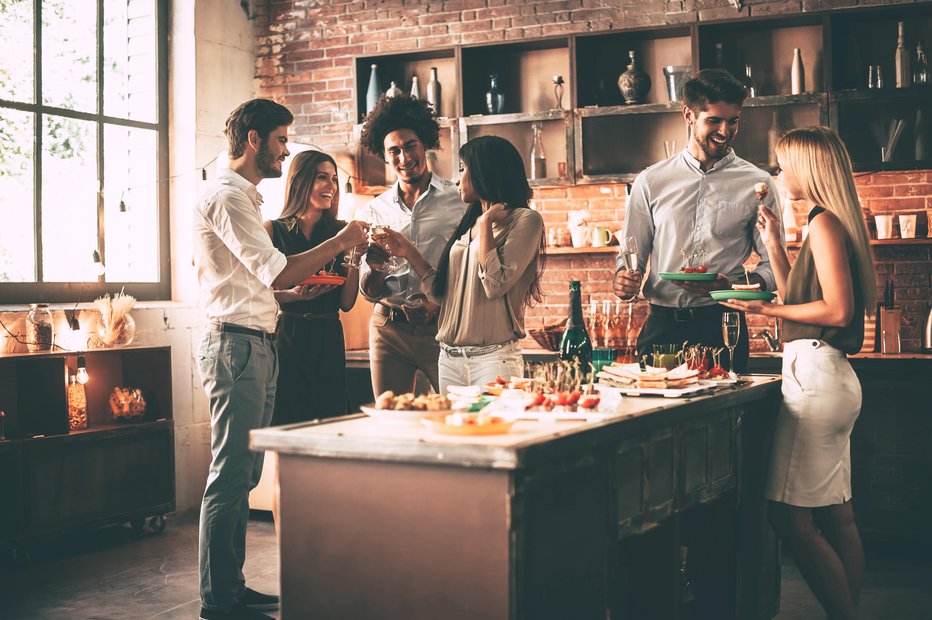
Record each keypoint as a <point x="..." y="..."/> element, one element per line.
<point x="574" y="519"/>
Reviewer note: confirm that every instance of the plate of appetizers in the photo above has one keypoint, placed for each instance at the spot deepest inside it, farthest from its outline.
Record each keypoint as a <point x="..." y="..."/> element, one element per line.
<point x="743" y="295"/>
<point x="406" y="408"/>
<point x="694" y="276"/>
<point x="632" y="380"/>
<point x="459" y="423"/>
<point x="323" y="278"/>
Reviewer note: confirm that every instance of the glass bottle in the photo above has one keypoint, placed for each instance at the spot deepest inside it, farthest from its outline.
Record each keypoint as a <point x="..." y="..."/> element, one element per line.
<point x="77" y="404"/>
<point x="433" y="91"/>
<point x="748" y="82"/>
<point x="921" y="68"/>
<point x="374" y="92"/>
<point x="494" y="98"/>
<point x="576" y="345"/>
<point x="719" y="56"/>
<point x="611" y="324"/>
<point x="415" y="88"/>
<point x="39" y="332"/>
<point x="773" y="136"/>
<point x="631" y="334"/>
<point x="393" y="90"/>
<point x="598" y="324"/>
<point x="538" y="157"/>
<point x="797" y="74"/>
<point x="904" y="76"/>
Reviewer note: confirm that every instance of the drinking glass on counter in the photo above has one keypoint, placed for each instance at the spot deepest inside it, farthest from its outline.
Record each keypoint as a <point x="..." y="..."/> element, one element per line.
<point x="665" y="356"/>
<point x="731" y="331"/>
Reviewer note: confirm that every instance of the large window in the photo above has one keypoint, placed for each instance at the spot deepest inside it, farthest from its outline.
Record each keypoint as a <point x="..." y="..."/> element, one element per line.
<point x="83" y="149"/>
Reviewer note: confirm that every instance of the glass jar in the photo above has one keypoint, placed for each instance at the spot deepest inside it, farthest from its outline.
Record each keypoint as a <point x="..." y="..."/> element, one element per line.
<point x="39" y="332"/>
<point x="77" y="404"/>
<point x="118" y="332"/>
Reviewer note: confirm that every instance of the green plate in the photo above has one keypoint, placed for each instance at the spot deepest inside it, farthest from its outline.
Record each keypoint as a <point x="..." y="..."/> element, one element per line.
<point x="742" y="295"/>
<point x="679" y="275"/>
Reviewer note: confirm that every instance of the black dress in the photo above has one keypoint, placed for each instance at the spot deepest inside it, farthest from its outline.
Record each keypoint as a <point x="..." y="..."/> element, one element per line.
<point x="311" y="353"/>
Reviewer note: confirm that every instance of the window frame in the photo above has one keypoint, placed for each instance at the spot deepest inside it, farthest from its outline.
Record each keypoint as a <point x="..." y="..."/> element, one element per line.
<point x="66" y="292"/>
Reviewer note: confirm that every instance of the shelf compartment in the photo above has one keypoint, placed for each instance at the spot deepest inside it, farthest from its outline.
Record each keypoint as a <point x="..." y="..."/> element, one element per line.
<point x="525" y="75"/>
<point x="401" y="67"/>
<point x="855" y="117"/>
<point x="556" y="131"/>
<point x="602" y="58"/>
<point x="763" y="124"/>
<point x="767" y="45"/>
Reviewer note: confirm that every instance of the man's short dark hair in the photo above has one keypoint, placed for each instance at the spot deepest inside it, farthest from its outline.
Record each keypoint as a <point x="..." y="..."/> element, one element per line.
<point x="400" y="112"/>
<point x="263" y="115"/>
<point x="712" y="86"/>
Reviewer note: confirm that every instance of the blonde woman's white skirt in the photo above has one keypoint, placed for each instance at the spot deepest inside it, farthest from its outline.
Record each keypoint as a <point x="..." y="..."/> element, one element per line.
<point x="811" y="459"/>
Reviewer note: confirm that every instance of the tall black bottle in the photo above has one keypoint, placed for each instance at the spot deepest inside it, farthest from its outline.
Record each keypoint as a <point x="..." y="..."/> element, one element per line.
<point x="576" y="344"/>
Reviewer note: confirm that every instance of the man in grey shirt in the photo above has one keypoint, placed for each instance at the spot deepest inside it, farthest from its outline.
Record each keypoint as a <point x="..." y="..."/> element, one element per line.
<point x="424" y="208"/>
<point x="702" y="203"/>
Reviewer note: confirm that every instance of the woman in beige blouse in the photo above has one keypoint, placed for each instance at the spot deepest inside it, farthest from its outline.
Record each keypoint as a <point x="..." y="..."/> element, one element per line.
<point x="490" y="270"/>
<point x="825" y="295"/>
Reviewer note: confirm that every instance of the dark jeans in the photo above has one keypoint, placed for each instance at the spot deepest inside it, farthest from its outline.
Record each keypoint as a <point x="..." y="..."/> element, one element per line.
<point x="662" y="327"/>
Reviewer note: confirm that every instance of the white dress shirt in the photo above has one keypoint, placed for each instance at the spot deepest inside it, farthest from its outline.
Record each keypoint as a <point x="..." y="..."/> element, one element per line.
<point x="675" y="206"/>
<point x="428" y="225"/>
<point x="235" y="260"/>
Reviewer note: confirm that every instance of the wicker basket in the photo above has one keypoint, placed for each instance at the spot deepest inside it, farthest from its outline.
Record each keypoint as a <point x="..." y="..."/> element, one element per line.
<point x="549" y="336"/>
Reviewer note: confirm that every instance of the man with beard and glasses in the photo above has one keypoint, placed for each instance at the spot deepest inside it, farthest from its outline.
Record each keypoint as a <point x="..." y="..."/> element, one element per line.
<point x="698" y="207"/>
<point x="237" y="269"/>
<point x="425" y="209"/>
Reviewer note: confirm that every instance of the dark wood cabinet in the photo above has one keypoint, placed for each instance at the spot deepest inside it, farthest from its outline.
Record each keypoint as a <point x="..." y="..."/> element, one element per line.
<point x="55" y="479"/>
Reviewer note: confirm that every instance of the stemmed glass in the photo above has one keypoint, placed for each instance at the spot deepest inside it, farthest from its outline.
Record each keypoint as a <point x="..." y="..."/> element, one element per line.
<point x="628" y="252"/>
<point x="393" y="264"/>
<point x="731" y="331"/>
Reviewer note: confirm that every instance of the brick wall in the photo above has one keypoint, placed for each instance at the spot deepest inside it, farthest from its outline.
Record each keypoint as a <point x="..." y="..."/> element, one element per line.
<point x="305" y="58"/>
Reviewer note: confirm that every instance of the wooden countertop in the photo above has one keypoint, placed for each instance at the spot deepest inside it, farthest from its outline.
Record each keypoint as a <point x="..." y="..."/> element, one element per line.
<point x="361" y="437"/>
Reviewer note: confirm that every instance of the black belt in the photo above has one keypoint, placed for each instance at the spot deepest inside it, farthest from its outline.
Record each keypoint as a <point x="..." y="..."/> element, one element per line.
<point x="395" y="315"/>
<point x="311" y="316"/>
<point x="233" y="328"/>
<point x="683" y="315"/>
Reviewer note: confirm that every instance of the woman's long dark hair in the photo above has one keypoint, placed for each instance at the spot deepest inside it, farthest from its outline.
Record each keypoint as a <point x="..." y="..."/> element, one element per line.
<point x="301" y="176"/>
<point x="496" y="172"/>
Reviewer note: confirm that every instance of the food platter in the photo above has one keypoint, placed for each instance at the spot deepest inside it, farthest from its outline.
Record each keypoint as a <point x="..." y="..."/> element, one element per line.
<point x="692" y="390"/>
<point x="325" y="278"/>
<point x="690" y="277"/>
<point x="396" y="416"/>
<point x="742" y="295"/>
<point x="437" y="423"/>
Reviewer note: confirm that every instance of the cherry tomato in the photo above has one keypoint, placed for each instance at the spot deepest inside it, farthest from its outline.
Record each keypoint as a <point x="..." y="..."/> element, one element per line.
<point x="702" y="268"/>
<point x="689" y="270"/>
<point x="589" y="402"/>
<point x="574" y="397"/>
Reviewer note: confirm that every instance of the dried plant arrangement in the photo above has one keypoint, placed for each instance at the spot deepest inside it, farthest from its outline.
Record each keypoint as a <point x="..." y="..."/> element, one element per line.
<point x="116" y="325"/>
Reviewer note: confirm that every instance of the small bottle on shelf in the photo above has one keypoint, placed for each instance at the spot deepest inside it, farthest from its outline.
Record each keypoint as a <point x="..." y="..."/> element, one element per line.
<point x="415" y="88"/>
<point x="575" y="344"/>
<point x="904" y="76"/>
<point x="748" y="82"/>
<point x="797" y="73"/>
<point x="433" y="91"/>
<point x="538" y="157"/>
<point x="77" y="404"/>
<point x="921" y="67"/>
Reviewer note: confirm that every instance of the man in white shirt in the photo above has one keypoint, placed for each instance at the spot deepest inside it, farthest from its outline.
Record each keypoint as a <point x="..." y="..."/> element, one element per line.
<point x="700" y="202"/>
<point x="237" y="268"/>
<point x="424" y="208"/>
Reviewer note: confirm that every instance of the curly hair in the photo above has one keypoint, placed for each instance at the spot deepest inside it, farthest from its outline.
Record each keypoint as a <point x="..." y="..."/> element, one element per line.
<point x="399" y="112"/>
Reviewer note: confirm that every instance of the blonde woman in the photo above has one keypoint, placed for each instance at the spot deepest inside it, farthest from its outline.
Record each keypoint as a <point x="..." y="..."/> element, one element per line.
<point x="825" y="295"/>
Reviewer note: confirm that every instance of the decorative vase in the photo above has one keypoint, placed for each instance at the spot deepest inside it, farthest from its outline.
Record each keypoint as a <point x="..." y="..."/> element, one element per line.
<point x="634" y="84"/>
<point x="374" y="92"/>
<point x="558" y="91"/>
<point x="433" y="91"/>
<point x="393" y="90"/>
<point x="120" y="333"/>
<point x="676" y="76"/>
<point x="415" y="88"/>
<point x="494" y="98"/>
<point x="797" y="74"/>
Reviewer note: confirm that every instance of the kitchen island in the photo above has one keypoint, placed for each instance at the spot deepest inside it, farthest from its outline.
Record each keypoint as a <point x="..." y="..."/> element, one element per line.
<point x="571" y="519"/>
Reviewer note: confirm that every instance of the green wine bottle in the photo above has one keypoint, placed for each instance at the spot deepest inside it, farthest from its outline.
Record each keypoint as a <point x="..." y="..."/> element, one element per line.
<point x="576" y="345"/>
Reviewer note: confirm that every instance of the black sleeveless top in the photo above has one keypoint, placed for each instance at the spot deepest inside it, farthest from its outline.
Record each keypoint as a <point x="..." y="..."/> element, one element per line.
<point x="287" y="237"/>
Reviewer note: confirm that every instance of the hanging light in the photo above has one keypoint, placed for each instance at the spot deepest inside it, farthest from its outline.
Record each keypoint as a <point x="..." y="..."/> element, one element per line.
<point x="99" y="268"/>
<point x="82" y="375"/>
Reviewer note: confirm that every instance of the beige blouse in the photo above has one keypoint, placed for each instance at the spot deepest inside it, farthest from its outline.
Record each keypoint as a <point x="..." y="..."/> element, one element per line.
<point x="485" y="299"/>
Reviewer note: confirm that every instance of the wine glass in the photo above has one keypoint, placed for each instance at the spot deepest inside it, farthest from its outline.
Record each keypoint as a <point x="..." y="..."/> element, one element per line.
<point x="393" y="264"/>
<point x="731" y="331"/>
<point x="628" y="252"/>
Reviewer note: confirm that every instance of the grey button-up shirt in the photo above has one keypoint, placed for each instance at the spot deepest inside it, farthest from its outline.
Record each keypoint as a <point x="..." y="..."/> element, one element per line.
<point x="429" y="225"/>
<point x="675" y="206"/>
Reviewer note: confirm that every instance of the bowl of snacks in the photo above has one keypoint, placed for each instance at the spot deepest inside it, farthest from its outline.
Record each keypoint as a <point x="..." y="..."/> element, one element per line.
<point x="408" y="408"/>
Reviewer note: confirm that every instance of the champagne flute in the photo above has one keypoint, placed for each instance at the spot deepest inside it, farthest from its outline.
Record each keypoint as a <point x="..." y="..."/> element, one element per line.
<point x="731" y="331"/>
<point x="393" y="264"/>
<point x="628" y="252"/>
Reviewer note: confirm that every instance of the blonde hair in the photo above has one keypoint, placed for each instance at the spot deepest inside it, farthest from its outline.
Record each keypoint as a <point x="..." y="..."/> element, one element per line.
<point x="822" y="167"/>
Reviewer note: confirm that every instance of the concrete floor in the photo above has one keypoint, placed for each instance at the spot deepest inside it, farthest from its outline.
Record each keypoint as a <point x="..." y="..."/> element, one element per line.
<point x="117" y="574"/>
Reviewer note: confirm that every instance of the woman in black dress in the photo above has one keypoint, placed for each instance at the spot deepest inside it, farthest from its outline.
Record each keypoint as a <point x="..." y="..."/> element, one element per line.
<point x="309" y="335"/>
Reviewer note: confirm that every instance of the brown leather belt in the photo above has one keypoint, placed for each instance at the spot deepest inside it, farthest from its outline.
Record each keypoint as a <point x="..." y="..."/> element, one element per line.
<point x="312" y="316"/>
<point x="395" y="315"/>
<point x="233" y="328"/>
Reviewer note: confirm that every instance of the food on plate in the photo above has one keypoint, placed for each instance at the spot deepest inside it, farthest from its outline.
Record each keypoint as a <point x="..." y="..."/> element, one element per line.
<point x="495" y="388"/>
<point x="563" y="401"/>
<point x="746" y="287"/>
<point x="410" y="402"/>
<point x="470" y="419"/>
<point x="761" y="190"/>
<point x="628" y="375"/>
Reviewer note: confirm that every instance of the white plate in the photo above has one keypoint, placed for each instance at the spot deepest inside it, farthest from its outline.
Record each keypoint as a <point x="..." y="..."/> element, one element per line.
<point x="395" y="416"/>
<point x="692" y="390"/>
